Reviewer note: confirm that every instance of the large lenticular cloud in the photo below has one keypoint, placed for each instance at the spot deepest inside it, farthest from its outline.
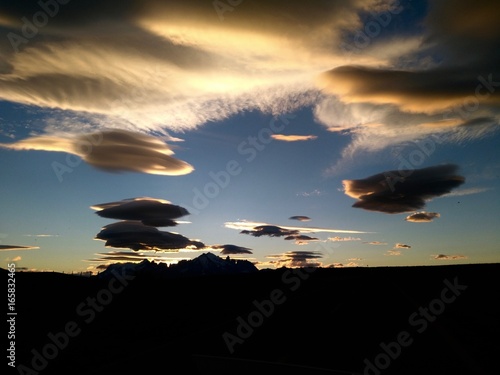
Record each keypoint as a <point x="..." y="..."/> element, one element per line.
<point x="112" y="151"/>
<point x="403" y="191"/>
<point x="150" y="211"/>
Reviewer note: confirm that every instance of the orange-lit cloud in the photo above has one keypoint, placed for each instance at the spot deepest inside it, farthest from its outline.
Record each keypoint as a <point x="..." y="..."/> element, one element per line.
<point x="293" y="138"/>
<point x="401" y="246"/>
<point x="111" y="150"/>
<point x="17" y="247"/>
<point x="422" y="217"/>
<point x="249" y="225"/>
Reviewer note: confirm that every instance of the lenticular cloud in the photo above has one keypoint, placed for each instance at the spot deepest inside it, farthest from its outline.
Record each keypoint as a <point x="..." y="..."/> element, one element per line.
<point x="112" y="151"/>
<point x="403" y="190"/>
<point x="150" y="211"/>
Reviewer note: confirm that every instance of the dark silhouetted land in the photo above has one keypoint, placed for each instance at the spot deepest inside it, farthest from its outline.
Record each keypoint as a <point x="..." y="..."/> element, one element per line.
<point x="443" y="319"/>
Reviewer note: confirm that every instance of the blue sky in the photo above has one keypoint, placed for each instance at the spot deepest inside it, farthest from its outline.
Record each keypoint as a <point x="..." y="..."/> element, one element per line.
<point x="402" y="101"/>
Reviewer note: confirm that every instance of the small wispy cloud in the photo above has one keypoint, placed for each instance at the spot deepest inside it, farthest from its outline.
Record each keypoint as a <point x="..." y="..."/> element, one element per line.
<point x="313" y="193"/>
<point x="41" y="235"/>
<point x="342" y="265"/>
<point x="342" y="239"/>
<point x="293" y="138"/>
<point x="470" y="191"/>
<point x="376" y="243"/>
<point x="393" y="252"/>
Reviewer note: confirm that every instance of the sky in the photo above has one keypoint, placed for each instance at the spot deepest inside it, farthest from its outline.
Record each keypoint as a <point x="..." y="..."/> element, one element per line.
<point x="321" y="133"/>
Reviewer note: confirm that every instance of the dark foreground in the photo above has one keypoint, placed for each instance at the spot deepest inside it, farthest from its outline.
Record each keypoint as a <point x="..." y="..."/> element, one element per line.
<point x="418" y="320"/>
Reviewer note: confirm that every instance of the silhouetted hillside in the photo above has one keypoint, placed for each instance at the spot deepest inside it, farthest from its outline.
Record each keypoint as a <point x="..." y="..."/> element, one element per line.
<point x="204" y="264"/>
<point x="401" y="320"/>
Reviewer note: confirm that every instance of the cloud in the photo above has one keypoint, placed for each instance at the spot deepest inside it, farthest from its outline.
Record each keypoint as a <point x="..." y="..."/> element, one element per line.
<point x="111" y="150"/>
<point x="17" y="259"/>
<point x="137" y="236"/>
<point x="403" y="190"/>
<point x="355" y="259"/>
<point x="314" y="193"/>
<point x="17" y="247"/>
<point x="300" y="218"/>
<point x="449" y="257"/>
<point x="295" y="259"/>
<point x="41" y="235"/>
<point x="184" y="67"/>
<point x="150" y="211"/>
<point x="428" y="85"/>
<point x="426" y="91"/>
<point x="301" y="239"/>
<point x="269" y="230"/>
<point x="229" y="249"/>
<point x="376" y="243"/>
<point x="293" y="138"/>
<point x="470" y="191"/>
<point x="393" y="252"/>
<point x="422" y="217"/>
<point x="401" y="246"/>
<point x="342" y="265"/>
<point x="250" y="226"/>
<point x="341" y="239"/>
<point x="105" y="259"/>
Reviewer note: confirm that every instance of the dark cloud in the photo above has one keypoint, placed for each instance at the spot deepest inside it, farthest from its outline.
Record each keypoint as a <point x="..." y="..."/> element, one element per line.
<point x="270" y="230"/>
<point x="401" y="246"/>
<point x="449" y="257"/>
<point x="300" y="218"/>
<point x="296" y="259"/>
<point x="137" y="236"/>
<point x="403" y="190"/>
<point x="150" y="211"/>
<point x="301" y="239"/>
<point x="452" y="30"/>
<point x="428" y="91"/>
<point x="17" y="247"/>
<point x="422" y="217"/>
<point x="229" y="249"/>
<point x="112" y="151"/>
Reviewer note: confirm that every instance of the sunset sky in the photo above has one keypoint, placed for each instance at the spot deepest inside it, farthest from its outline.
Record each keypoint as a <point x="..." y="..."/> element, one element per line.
<point x="328" y="133"/>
